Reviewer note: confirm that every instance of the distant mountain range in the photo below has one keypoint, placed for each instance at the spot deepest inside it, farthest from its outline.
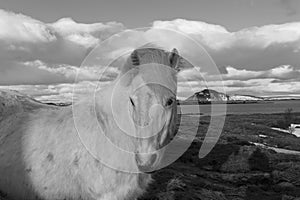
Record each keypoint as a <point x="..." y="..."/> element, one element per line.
<point x="208" y="95"/>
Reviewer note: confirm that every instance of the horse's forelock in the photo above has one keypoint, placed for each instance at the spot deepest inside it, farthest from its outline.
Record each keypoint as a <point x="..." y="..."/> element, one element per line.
<point x="148" y="53"/>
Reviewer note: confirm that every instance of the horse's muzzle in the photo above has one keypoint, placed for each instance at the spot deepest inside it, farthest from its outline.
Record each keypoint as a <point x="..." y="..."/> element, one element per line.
<point x="146" y="162"/>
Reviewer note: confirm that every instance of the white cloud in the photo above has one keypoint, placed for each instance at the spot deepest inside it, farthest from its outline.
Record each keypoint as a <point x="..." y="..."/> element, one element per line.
<point x="216" y="37"/>
<point x="16" y="28"/>
<point x="279" y="79"/>
<point x="34" y="52"/>
<point x="23" y="38"/>
<point x="283" y="72"/>
<point x="57" y="48"/>
<point x="87" y="35"/>
<point x="74" y="73"/>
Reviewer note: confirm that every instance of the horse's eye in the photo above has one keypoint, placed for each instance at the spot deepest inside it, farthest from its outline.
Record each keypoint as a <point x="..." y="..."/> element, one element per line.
<point x="132" y="103"/>
<point x="169" y="102"/>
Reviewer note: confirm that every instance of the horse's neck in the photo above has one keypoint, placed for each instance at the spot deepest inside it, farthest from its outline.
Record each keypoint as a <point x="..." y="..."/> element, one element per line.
<point x="100" y="134"/>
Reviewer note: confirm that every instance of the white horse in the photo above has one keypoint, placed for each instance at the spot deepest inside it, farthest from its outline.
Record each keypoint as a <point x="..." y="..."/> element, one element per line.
<point x="42" y="155"/>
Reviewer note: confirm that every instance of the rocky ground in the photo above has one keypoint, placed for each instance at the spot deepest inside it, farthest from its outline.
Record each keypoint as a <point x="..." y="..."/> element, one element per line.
<point x="230" y="171"/>
<point x="235" y="169"/>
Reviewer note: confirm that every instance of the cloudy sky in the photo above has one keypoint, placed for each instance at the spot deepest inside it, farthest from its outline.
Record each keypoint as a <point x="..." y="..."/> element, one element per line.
<point x="254" y="44"/>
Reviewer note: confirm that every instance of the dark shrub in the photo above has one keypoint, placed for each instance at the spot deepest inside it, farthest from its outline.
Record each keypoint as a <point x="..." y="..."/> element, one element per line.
<point x="258" y="161"/>
<point x="288" y="119"/>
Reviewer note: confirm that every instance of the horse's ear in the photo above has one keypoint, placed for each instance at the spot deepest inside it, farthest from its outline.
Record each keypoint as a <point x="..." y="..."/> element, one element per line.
<point x="174" y="58"/>
<point x="135" y="58"/>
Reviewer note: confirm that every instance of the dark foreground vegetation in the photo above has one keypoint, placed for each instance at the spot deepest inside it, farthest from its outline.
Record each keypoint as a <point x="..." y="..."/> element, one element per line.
<point x="235" y="168"/>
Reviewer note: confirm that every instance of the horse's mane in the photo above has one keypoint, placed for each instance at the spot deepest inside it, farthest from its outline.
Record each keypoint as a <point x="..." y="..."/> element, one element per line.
<point x="151" y="45"/>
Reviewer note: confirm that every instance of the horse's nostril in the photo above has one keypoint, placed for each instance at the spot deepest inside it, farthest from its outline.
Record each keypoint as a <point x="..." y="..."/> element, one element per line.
<point x="146" y="162"/>
<point x="153" y="159"/>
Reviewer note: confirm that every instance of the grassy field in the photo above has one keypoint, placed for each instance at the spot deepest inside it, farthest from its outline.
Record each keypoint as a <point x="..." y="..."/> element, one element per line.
<point x="235" y="168"/>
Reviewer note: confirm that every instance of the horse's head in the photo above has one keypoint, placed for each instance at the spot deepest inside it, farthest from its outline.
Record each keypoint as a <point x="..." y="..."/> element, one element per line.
<point x="149" y="77"/>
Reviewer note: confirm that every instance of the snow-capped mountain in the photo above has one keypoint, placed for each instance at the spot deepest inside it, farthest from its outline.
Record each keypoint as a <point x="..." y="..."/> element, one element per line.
<point x="237" y="97"/>
<point x="209" y="95"/>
